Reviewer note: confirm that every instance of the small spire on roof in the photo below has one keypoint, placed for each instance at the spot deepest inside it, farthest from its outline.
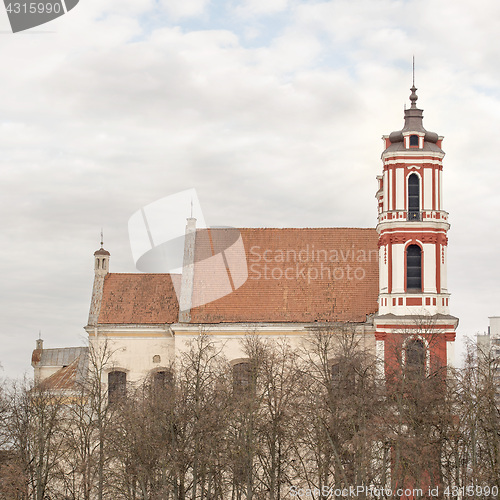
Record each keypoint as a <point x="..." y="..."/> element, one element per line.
<point x="39" y="342"/>
<point x="102" y="238"/>
<point x="413" y="60"/>
<point x="413" y="96"/>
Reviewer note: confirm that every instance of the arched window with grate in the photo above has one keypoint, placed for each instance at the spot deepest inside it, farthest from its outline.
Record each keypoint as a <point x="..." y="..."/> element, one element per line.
<point x="117" y="386"/>
<point x="413" y="197"/>
<point x="413" y="269"/>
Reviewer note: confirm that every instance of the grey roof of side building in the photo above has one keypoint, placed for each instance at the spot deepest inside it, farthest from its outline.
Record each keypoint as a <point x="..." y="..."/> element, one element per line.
<point x="62" y="356"/>
<point x="73" y="363"/>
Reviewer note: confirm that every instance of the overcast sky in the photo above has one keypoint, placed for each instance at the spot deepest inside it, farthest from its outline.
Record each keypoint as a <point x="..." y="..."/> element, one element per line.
<point x="273" y="110"/>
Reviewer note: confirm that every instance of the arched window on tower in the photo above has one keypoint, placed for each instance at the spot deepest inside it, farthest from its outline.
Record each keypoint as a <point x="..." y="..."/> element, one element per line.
<point x="117" y="383"/>
<point x="413" y="197"/>
<point x="415" y="354"/>
<point x="413" y="269"/>
<point x="413" y="140"/>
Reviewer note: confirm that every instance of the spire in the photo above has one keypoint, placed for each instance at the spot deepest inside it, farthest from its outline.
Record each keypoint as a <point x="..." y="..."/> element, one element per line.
<point x="101" y="250"/>
<point x="39" y="341"/>
<point x="413" y="96"/>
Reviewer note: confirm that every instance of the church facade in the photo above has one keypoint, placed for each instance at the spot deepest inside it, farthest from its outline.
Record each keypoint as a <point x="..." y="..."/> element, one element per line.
<point x="388" y="283"/>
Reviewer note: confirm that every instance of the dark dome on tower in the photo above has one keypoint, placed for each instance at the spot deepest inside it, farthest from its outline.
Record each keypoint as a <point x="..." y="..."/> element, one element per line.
<point x="413" y="125"/>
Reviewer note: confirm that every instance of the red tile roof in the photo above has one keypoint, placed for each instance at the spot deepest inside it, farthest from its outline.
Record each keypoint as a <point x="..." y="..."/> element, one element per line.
<point x="294" y="275"/>
<point x="298" y="275"/>
<point x="139" y="299"/>
<point x="64" y="378"/>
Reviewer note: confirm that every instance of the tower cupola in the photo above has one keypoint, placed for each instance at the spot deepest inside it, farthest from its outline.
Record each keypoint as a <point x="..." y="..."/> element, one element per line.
<point x="101" y="260"/>
<point x="413" y="135"/>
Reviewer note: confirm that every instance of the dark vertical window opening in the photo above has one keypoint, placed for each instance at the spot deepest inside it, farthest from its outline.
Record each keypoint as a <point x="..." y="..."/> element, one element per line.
<point x="415" y="357"/>
<point x="117" y="382"/>
<point x="414" y="268"/>
<point x="162" y="379"/>
<point x="413" y="140"/>
<point x="344" y="376"/>
<point x="413" y="197"/>
<point x="242" y="378"/>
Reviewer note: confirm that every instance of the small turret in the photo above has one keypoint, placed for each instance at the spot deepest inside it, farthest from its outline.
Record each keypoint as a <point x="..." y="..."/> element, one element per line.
<point x="101" y="269"/>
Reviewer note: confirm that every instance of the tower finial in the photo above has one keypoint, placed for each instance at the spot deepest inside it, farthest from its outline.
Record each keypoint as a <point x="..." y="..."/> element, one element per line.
<point x="414" y="70"/>
<point x="102" y="238"/>
<point x="413" y="96"/>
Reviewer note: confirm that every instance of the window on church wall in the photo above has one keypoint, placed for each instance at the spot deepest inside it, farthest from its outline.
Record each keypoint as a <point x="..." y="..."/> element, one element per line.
<point x="162" y="379"/>
<point x="414" y="140"/>
<point x="414" y="268"/>
<point x="344" y="376"/>
<point x="413" y="197"/>
<point x="243" y="382"/>
<point x="415" y="357"/>
<point x="117" y="386"/>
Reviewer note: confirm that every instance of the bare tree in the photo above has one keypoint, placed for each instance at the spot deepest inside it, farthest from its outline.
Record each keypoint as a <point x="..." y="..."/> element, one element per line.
<point x="419" y="405"/>
<point x="269" y="408"/>
<point x="339" y="445"/>
<point x="34" y="424"/>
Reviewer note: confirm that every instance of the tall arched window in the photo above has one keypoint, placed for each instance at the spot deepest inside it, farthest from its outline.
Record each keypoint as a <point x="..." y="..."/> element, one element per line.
<point x="242" y="378"/>
<point x="162" y="379"/>
<point x="413" y="140"/>
<point x="117" y="383"/>
<point x="415" y="357"/>
<point x="413" y="197"/>
<point x="414" y="268"/>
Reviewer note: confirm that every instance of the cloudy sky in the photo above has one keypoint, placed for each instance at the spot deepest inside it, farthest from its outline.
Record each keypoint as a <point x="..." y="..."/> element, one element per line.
<point x="273" y="110"/>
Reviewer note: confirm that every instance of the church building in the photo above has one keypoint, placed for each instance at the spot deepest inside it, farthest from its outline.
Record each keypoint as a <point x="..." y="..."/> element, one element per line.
<point x="381" y="282"/>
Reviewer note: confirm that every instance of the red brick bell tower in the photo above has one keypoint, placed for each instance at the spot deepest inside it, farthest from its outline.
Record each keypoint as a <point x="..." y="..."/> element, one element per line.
<point x="413" y="325"/>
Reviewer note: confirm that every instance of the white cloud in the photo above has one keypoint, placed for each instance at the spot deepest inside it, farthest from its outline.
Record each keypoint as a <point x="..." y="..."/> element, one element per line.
<point x="261" y="7"/>
<point x="180" y="9"/>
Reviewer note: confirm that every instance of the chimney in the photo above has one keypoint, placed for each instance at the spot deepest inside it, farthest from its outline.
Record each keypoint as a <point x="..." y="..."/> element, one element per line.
<point x="187" y="272"/>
